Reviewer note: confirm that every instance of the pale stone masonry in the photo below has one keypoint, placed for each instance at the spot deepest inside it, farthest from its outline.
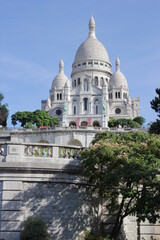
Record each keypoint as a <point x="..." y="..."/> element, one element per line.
<point x="95" y="95"/>
<point x="35" y="182"/>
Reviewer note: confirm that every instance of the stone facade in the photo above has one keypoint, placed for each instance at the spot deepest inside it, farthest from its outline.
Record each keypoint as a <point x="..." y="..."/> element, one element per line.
<point x="96" y="95"/>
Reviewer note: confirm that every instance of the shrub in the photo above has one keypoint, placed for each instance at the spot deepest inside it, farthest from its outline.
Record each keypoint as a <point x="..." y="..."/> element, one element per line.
<point x="35" y="229"/>
<point x="139" y="120"/>
<point x="88" y="235"/>
<point x="75" y="142"/>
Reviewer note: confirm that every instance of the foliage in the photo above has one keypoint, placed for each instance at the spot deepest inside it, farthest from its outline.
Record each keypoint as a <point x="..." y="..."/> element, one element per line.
<point x="139" y="120"/>
<point x="43" y="141"/>
<point x="88" y="235"/>
<point x="35" y="229"/>
<point x="75" y="142"/>
<point x="30" y="125"/>
<point x="123" y="122"/>
<point x="3" y="112"/>
<point x="155" y="127"/>
<point x="37" y="118"/>
<point x="123" y="170"/>
<point x="155" y="103"/>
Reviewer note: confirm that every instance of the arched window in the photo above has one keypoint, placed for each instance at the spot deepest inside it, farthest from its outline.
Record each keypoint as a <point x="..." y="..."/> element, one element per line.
<point x="96" y="106"/>
<point x="60" y="95"/>
<point x="96" y="81"/>
<point x="85" y="85"/>
<point x="72" y="124"/>
<point x="74" y="82"/>
<point x="74" y="107"/>
<point x="115" y="94"/>
<point x="85" y="104"/>
<point x="96" y="124"/>
<point x="79" y="81"/>
<point x="101" y="81"/>
<point x="119" y="95"/>
<point x="57" y="96"/>
<point x="96" y="109"/>
<point x="84" y="124"/>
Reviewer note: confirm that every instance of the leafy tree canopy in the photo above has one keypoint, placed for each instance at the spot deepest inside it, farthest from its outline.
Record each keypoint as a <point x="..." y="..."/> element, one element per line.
<point x="37" y="118"/>
<point x="155" y="127"/>
<point x="123" y="170"/>
<point x="123" y="122"/>
<point x="3" y="112"/>
<point x="155" y="103"/>
<point x="139" y="120"/>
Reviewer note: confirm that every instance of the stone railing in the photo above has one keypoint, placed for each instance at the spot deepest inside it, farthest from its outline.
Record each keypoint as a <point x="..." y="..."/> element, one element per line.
<point x="52" y="151"/>
<point x="13" y="151"/>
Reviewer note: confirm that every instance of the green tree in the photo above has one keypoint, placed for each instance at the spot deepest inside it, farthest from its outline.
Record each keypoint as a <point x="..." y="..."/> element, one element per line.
<point x="3" y="112"/>
<point x="155" y="127"/>
<point x="41" y="118"/>
<point x="37" y="118"/>
<point x="35" y="229"/>
<point x="139" y="120"/>
<point x="123" y="170"/>
<point x="155" y="104"/>
<point x="22" y="117"/>
<point x="124" y="122"/>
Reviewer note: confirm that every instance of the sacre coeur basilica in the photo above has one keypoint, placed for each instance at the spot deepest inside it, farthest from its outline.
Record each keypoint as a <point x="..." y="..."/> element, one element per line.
<point x="97" y="95"/>
<point x="41" y="172"/>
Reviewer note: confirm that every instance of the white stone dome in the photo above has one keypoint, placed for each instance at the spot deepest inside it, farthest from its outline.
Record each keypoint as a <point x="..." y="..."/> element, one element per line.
<point x="118" y="80"/>
<point x="60" y="79"/>
<point x="91" y="48"/>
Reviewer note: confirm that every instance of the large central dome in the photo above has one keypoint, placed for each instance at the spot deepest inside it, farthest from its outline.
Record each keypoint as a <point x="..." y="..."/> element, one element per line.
<point x="91" y="48"/>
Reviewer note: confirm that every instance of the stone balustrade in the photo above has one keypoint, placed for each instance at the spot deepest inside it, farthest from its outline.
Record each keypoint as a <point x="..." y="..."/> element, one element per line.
<point x="12" y="151"/>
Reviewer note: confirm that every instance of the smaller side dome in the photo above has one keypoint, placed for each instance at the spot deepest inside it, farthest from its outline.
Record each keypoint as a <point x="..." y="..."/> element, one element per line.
<point x="118" y="80"/>
<point x="60" y="79"/>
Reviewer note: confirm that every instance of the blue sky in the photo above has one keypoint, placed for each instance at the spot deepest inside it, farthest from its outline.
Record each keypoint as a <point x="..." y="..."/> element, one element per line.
<point x="36" y="34"/>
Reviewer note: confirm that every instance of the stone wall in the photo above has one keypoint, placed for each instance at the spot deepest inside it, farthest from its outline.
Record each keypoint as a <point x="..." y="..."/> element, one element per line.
<point x="60" y="198"/>
<point x="57" y="135"/>
<point x="52" y="187"/>
<point x="66" y="208"/>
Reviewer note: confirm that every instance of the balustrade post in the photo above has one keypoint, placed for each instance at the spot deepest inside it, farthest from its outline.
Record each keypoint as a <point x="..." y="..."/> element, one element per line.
<point x="55" y="152"/>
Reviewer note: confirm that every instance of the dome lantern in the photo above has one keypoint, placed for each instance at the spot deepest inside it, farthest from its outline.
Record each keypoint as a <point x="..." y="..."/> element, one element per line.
<point x="61" y="66"/>
<point x="92" y="28"/>
<point x="117" y="64"/>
